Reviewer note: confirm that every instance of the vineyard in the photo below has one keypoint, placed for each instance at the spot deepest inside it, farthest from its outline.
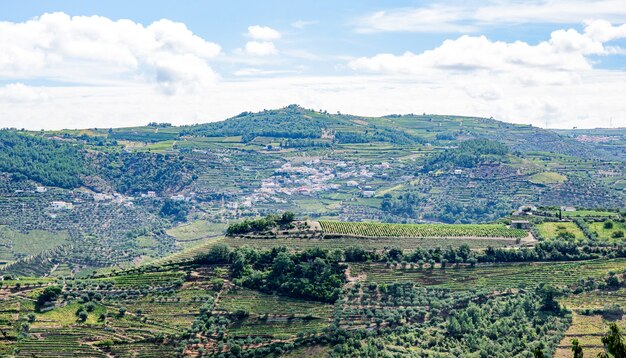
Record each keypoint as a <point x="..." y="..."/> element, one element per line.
<point x="495" y="277"/>
<point x="366" y="229"/>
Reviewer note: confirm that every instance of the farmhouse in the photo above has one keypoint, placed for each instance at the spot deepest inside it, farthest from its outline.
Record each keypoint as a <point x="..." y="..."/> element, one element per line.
<point x="568" y="208"/>
<point x="368" y="193"/>
<point x="520" y="224"/>
<point x="40" y="189"/>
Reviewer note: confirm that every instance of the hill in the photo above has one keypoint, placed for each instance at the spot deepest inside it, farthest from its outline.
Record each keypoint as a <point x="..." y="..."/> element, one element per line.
<point x="264" y="294"/>
<point x="116" y="195"/>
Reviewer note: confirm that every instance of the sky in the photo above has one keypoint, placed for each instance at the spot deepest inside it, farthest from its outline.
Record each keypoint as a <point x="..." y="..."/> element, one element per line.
<point x="549" y="63"/>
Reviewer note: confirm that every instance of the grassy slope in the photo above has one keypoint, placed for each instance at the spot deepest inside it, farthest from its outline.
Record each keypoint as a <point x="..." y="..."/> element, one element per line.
<point x="548" y="178"/>
<point x="550" y="230"/>
<point x="607" y="233"/>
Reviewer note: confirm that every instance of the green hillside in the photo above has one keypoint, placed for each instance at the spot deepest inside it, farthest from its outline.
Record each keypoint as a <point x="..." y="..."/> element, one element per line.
<point x="295" y="232"/>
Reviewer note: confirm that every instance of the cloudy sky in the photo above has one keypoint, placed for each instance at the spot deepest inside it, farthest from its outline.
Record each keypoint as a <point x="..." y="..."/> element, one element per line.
<point x="69" y="64"/>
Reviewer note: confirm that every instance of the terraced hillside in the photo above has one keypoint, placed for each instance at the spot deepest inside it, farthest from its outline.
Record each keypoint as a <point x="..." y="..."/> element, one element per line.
<point x="253" y="295"/>
<point x="394" y="238"/>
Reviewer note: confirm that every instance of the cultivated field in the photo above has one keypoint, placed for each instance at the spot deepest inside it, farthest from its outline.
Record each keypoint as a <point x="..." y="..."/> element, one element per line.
<point x="495" y="276"/>
<point x="367" y="229"/>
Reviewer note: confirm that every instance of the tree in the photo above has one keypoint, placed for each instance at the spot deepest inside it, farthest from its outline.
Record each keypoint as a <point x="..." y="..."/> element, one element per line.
<point x="614" y="342"/>
<point x="287" y="217"/>
<point x="90" y="306"/>
<point x="82" y="316"/>
<point x="50" y="293"/>
<point x="235" y="350"/>
<point x="175" y="209"/>
<point x="538" y="353"/>
<point x="612" y="281"/>
<point x="218" y="254"/>
<point x="547" y="294"/>
<point x="577" y="349"/>
<point x="282" y="263"/>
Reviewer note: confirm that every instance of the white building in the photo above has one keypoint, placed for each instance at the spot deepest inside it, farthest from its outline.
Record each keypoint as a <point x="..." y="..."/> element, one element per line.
<point x="368" y="193"/>
<point x="61" y="205"/>
<point x="102" y="197"/>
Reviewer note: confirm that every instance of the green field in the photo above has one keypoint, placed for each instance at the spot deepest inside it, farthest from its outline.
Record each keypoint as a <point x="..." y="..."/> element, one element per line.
<point x="587" y="213"/>
<point x="548" y="178"/>
<point x="551" y="230"/>
<point x="196" y="230"/>
<point x="607" y="234"/>
<point x="66" y="316"/>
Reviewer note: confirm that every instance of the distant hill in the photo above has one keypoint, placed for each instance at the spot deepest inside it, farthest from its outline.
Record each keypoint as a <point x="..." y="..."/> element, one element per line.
<point x="609" y="141"/>
<point x="295" y="122"/>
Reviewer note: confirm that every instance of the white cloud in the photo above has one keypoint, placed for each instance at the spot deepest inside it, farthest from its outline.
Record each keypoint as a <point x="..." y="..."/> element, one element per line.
<point x="552" y="82"/>
<point x="431" y="19"/>
<point x="445" y="17"/>
<point x="97" y="50"/>
<point x="604" y="31"/>
<point x="260" y="48"/>
<point x="19" y="92"/>
<point x="300" y="24"/>
<point x="550" y="11"/>
<point x="262" y="41"/>
<point x="182" y="73"/>
<point x="263" y="33"/>
<point x="558" y="58"/>
<point x="260" y="72"/>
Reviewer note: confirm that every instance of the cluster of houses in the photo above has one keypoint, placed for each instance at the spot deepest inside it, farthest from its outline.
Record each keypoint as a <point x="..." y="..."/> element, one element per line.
<point x="312" y="177"/>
